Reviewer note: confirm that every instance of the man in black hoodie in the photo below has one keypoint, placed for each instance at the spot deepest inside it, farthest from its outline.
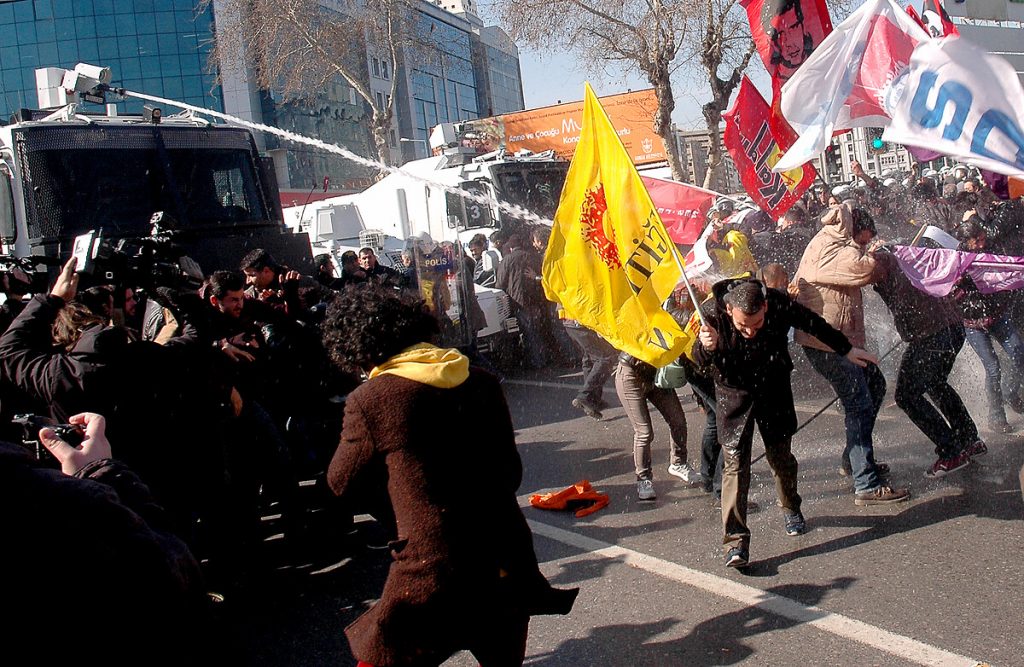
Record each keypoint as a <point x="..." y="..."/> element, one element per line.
<point x="743" y="344"/>
<point x="934" y="329"/>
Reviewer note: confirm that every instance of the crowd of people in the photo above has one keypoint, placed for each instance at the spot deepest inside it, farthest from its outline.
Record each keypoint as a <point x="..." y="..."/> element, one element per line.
<point x="235" y="378"/>
<point x="251" y="378"/>
<point x="797" y="284"/>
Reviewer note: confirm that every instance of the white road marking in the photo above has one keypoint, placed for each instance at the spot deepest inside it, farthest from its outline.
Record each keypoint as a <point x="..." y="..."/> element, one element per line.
<point x="831" y="622"/>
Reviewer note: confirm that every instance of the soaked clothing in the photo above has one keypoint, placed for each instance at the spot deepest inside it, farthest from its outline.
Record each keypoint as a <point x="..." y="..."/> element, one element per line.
<point x="917" y="315"/>
<point x="752" y="386"/>
<point x="935" y="332"/>
<point x="924" y="373"/>
<point x="830" y="277"/>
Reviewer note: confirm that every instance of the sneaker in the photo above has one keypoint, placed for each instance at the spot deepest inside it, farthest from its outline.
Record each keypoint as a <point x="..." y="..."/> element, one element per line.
<point x="707" y="484"/>
<point x="881" y="495"/>
<point x="737" y="557"/>
<point x="976" y="448"/>
<point x="847" y="471"/>
<point x="589" y="407"/>
<point x="684" y="472"/>
<point x="943" y="467"/>
<point x="795" y="524"/>
<point x="645" y="490"/>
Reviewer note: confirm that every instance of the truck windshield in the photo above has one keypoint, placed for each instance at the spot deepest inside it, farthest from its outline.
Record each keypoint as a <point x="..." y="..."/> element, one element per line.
<point x="535" y="186"/>
<point x="117" y="185"/>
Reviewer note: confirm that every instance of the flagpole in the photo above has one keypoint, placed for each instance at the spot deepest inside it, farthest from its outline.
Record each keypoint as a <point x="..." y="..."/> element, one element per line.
<point x="689" y="287"/>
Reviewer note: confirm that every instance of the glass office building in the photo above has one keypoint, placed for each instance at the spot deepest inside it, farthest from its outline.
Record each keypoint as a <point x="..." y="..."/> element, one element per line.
<point x="504" y="90"/>
<point x="158" y="47"/>
<point x="443" y="84"/>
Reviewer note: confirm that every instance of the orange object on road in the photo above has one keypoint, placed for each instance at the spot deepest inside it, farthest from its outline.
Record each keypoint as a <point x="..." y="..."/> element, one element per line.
<point x="577" y="495"/>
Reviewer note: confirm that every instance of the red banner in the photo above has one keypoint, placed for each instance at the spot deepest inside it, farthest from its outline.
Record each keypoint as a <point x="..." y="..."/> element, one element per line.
<point x="683" y="207"/>
<point x="750" y="141"/>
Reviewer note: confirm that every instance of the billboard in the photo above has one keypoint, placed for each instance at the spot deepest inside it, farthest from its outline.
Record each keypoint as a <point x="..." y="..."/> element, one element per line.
<point x="558" y="128"/>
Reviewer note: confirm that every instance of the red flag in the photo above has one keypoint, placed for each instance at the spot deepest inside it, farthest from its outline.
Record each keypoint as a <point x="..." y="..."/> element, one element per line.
<point x="949" y="28"/>
<point x="683" y="207"/>
<point x="754" y="150"/>
<point x="917" y="17"/>
<point x="786" y="32"/>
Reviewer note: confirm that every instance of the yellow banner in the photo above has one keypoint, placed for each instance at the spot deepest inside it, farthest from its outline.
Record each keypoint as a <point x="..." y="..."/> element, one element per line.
<point x="610" y="263"/>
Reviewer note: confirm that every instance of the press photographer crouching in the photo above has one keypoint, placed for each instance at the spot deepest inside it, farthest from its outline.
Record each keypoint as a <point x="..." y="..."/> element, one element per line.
<point x="90" y="567"/>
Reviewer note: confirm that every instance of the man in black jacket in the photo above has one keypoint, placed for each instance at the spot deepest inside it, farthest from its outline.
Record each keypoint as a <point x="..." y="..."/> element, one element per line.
<point x="743" y="344"/>
<point x="934" y="329"/>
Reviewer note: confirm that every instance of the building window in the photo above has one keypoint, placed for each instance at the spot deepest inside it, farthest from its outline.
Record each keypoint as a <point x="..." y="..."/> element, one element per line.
<point x="387" y="100"/>
<point x="380" y="100"/>
<point x="375" y="67"/>
<point x="352" y="96"/>
<point x="384" y="67"/>
<point x="394" y="141"/>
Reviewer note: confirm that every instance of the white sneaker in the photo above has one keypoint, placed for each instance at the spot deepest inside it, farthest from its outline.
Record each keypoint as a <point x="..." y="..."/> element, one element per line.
<point x="684" y="472"/>
<point x="645" y="490"/>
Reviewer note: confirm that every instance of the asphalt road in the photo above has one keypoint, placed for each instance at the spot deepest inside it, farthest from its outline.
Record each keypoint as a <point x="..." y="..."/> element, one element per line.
<point x="935" y="581"/>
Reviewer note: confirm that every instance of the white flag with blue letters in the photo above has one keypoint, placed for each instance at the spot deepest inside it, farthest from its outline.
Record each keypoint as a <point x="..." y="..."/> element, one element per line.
<point x="957" y="99"/>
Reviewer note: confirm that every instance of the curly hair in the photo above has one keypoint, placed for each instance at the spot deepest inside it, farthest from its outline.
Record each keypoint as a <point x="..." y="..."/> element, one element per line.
<point x="366" y="325"/>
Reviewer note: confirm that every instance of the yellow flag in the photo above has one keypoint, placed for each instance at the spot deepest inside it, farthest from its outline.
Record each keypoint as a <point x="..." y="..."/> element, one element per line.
<point x="610" y="263"/>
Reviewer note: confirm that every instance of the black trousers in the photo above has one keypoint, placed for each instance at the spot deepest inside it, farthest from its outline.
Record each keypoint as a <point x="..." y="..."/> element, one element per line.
<point x="924" y="373"/>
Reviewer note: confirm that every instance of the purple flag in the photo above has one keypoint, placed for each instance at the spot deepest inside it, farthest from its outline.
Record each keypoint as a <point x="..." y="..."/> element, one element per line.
<point x="936" y="270"/>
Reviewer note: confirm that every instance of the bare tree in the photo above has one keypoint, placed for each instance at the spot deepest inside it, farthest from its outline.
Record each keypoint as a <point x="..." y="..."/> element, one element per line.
<point x="632" y="35"/>
<point x="724" y="51"/>
<point x="297" y="47"/>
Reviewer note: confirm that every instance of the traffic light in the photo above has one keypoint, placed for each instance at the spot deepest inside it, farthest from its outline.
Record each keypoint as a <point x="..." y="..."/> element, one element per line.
<point x="874" y="141"/>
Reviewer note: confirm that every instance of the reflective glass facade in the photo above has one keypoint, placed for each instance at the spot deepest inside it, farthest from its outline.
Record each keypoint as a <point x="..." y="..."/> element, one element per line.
<point x="444" y="88"/>
<point x="504" y="90"/>
<point x="158" y="47"/>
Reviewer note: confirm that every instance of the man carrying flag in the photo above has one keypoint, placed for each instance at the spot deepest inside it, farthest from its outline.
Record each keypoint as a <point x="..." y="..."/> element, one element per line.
<point x="744" y="346"/>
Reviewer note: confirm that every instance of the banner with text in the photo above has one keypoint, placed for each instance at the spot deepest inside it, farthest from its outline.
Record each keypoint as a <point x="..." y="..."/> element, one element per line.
<point x="754" y="150"/>
<point x="558" y="128"/>
<point x="958" y="100"/>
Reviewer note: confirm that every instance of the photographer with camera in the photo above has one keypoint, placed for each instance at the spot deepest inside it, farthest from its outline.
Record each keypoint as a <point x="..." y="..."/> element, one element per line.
<point x="64" y="360"/>
<point x="91" y="568"/>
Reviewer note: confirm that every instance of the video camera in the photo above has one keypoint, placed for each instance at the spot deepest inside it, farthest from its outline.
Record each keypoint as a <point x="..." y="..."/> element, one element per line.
<point x="146" y="262"/>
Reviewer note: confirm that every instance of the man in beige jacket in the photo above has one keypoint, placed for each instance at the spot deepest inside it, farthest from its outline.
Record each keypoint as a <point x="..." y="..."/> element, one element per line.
<point x="828" y="281"/>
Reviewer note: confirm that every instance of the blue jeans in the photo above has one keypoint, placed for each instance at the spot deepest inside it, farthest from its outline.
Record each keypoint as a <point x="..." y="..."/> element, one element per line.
<point x="861" y="391"/>
<point x="980" y="341"/>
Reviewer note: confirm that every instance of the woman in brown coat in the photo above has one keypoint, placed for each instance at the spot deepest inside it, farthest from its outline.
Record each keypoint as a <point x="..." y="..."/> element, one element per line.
<point x="465" y="575"/>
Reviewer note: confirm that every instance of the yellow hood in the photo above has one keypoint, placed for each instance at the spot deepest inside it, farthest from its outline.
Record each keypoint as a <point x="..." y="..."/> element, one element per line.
<point x="441" y="368"/>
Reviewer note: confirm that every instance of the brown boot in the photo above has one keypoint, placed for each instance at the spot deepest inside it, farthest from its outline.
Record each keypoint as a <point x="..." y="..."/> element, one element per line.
<point x="881" y="495"/>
